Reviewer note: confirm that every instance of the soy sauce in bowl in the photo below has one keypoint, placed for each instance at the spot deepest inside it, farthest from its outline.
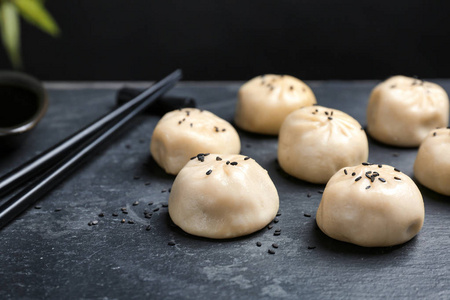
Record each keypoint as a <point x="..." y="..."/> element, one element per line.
<point x="17" y="106"/>
<point x="23" y="103"/>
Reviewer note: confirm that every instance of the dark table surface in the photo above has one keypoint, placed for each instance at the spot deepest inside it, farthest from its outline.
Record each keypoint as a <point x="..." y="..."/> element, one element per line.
<point x="55" y="254"/>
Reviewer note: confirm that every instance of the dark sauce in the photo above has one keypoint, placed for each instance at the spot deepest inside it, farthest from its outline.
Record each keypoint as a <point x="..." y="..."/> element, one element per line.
<point x="17" y="105"/>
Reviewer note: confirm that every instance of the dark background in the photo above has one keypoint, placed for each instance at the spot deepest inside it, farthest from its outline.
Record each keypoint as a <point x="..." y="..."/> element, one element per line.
<point x="236" y="40"/>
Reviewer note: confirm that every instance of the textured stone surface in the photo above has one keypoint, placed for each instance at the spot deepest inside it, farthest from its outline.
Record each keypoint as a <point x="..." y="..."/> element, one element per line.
<point x="54" y="255"/>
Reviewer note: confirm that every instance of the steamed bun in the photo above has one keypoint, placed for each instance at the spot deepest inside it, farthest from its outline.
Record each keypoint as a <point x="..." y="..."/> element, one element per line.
<point x="182" y="133"/>
<point x="222" y="196"/>
<point x="265" y="101"/>
<point x="402" y="110"/>
<point x="316" y="141"/>
<point x="432" y="165"/>
<point x="371" y="206"/>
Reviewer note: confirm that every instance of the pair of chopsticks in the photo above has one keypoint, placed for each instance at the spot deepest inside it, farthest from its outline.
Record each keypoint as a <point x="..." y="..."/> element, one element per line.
<point x="62" y="159"/>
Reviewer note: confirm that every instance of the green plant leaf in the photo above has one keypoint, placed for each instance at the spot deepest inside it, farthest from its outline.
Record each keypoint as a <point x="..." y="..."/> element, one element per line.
<point x="35" y="13"/>
<point x="10" y="29"/>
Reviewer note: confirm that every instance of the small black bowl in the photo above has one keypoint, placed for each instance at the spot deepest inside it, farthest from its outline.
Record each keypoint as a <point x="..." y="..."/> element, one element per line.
<point x="23" y="103"/>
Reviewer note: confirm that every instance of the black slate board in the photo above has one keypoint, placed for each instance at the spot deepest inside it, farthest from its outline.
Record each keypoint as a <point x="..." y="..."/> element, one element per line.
<point x="54" y="255"/>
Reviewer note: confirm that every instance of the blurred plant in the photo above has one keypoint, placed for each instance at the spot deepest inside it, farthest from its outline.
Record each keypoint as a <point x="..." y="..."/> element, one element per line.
<point x="34" y="12"/>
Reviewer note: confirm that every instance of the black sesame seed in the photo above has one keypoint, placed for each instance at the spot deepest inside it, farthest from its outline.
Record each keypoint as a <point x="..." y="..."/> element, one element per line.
<point x="271" y="251"/>
<point x="156" y="209"/>
<point x="368" y="172"/>
<point x="147" y="183"/>
<point x="59" y="209"/>
<point x="276" y="233"/>
<point x="223" y="129"/>
<point x="38" y="207"/>
<point x="396" y="170"/>
<point x="228" y="162"/>
<point x="308" y="195"/>
<point x="190" y="124"/>
<point x="163" y="190"/>
<point x="395" y="154"/>
<point x="150" y="203"/>
<point x="101" y="215"/>
<point x="368" y="187"/>
<point x="165" y="205"/>
<point x="135" y="203"/>
<point x="276" y="220"/>
<point x="216" y="128"/>
<point x="380" y="166"/>
<point x="171" y="243"/>
<point x="330" y="118"/>
<point x="326" y="113"/>
<point x="245" y="158"/>
<point x="278" y="214"/>
<point x="353" y="174"/>
<point x="307" y="215"/>
<point x="358" y="178"/>
<point x="311" y="247"/>
<point x="90" y="223"/>
<point x="218" y="158"/>
<point x="179" y="122"/>
<point x="345" y="171"/>
<point x="130" y="222"/>
<point x="381" y="179"/>
<point x="366" y="164"/>
<point x="115" y="214"/>
<point x="397" y="178"/>
<point x="148" y="228"/>
<point x="234" y="163"/>
<point x="193" y="157"/>
<point x="320" y="192"/>
<point x="331" y="113"/>
<point x="123" y="209"/>
<point x="208" y="172"/>
<point x="269" y="226"/>
<point x="275" y="245"/>
<point x="434" y="133"/>
<point x="258" y="244"/>
<point x="148" y="216"/>
<point x="125" y="212"/>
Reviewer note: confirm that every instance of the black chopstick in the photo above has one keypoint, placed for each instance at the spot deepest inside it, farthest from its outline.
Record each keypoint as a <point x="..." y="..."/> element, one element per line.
<point x="39" y="163"/>
<point x="72" y="160"/>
